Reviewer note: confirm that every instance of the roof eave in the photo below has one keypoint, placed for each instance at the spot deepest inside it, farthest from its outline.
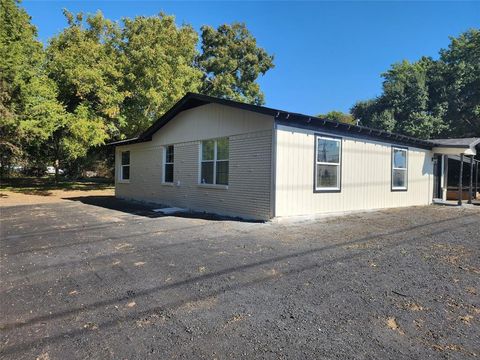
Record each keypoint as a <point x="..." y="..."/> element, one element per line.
<point x="192" y="100"/>
<point x="319" y="124"/>
<point x="134" y="140"/>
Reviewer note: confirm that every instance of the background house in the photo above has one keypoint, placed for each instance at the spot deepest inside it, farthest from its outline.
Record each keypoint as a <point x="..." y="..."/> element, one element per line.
<point x="225" y="157"/>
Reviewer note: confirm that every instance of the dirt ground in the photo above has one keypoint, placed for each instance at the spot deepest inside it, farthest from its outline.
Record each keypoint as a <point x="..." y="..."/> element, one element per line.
<point x="97" y="278"/>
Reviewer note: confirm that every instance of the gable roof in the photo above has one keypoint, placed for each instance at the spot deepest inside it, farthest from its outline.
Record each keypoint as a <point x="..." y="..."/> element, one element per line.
<point x="192" y="100"/>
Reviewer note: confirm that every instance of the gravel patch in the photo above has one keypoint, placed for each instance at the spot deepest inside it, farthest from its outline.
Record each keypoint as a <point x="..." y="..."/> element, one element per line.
<point x="118" y="282"/>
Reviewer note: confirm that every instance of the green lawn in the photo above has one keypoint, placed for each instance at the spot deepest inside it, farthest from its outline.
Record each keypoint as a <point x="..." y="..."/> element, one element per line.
<point x="39" y="186"/>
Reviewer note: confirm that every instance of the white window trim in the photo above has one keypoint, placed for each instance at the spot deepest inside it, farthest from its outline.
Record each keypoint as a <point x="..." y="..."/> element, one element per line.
<point x="339" y="164"/>
<point x="121" y="179"/>
<point x="214" y="185"/>
<point x="164" y="163"/>
<point x="404" y="188"/>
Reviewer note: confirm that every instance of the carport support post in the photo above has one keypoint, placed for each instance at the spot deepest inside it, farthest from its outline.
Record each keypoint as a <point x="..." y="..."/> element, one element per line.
<point x="460" y="183"/>
<point x="445" y="178"/>
<point x="470" y="189"/>
<point x="476" y="177"/>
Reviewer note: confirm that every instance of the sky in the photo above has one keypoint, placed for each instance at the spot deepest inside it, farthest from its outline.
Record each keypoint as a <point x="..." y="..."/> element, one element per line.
<point x="328" y="55"/>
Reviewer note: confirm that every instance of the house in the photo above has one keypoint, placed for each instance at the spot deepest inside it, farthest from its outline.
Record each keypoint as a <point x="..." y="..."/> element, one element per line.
<point x="235" y="159"/>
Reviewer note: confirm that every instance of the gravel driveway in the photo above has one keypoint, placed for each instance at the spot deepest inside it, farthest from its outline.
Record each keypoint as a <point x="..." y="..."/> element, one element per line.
<point x="81" y="281"/>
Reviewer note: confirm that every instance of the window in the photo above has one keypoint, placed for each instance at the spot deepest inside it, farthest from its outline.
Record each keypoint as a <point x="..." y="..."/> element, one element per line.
<point x="168" y="164"/>
<point x="125" y="169"/>
<point x="399" y="168"/>
<point x="214" y="163"/>
<point x="327" y="163"/>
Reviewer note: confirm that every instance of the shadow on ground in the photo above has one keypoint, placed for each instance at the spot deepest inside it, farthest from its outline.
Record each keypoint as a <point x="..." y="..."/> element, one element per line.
<point x="143" y="209"/>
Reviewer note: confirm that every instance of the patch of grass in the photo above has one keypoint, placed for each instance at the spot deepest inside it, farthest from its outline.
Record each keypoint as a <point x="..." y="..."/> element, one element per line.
<point x="43" y="186"/>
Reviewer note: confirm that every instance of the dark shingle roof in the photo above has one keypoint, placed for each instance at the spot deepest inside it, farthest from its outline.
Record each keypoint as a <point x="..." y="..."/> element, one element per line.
<point x="192" y="100"/>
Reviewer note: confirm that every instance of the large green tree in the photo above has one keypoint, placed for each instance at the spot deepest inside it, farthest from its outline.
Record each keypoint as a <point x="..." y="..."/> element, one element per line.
<point x="29" y="110"/>
<point x="405" y="105"/>
<point x="338" y="116"/>
<point x="162" y="63"/>
<point x="98" y="80"/>
<point x="231" y="62"/>
<point x="158" y="65"/>
<point x="83" y="60"/>
<point x="430" y="98"/>
<point x="460" y="69"/>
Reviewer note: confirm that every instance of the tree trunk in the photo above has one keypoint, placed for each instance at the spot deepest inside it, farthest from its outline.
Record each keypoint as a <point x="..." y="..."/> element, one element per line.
<point x="56" y="171"/>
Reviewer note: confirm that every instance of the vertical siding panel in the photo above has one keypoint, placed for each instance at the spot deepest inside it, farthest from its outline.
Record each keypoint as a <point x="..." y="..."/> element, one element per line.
<point x="386" y="176"/>
<point x="280" y="180"/>
<point x="364" y="168"/>
<point x="288" y="180"/>
<point x="299" y="194"/>
<point x="366" y="176"/>
<point x="284" y="176"/>
<point x="379" y="174"/>
<point x="348" y="169"/>
<point x="307" y="162"/>
<point x="295" y="179"/>
<point x="294" y="185"/>
<point x="374" y="175"/>
<point x="314" y="201"/>
<point x="370" y="157"/>
<point x="363" y="177"/>
<point x="357" y="153"/>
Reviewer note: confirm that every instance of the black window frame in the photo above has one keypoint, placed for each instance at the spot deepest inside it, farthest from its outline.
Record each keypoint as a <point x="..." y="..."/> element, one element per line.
<point x="122" y="166"/>
<point x="167" y="163"/>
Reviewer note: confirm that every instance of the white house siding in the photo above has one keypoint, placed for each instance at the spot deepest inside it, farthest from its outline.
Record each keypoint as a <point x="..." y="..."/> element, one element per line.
<point x="250" y="172"/>
<point x="365" y="176"/>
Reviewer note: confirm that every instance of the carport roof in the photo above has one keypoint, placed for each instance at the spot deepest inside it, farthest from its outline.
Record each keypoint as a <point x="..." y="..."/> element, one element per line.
<point x="459" y="142"/>
<point x="192" y="100"/>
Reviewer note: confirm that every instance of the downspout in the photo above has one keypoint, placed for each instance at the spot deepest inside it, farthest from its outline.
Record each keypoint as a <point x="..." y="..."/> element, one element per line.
<point x="470" y="189"/>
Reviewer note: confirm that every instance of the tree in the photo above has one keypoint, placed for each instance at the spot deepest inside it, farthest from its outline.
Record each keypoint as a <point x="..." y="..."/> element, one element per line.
<point x="29" y="111"/>
<point x="430" y="98"/>
<point x="460" y="65"/>
<point x="373" y="114"/>
<point x="158" y="65"/>
<point x="158" y="72"/>
<point x="98" y="80"/>
<point x="339" y="117"/>
<point x="83" y="60"/>
<point x="231" y="62"/>
<point x="405" y="105"/>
